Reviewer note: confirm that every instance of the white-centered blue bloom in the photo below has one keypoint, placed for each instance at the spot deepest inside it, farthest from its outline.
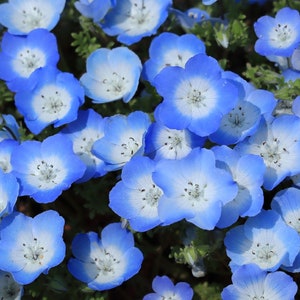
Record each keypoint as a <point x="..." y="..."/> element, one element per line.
<point x="136" y="196"/>
<point x="20" y="17"/>
<point x="164" y="288"/>
<point x="31" y="246"/>
<point x="194" y="188"/>
<point x="194" y="97"/>
<point x="9" y="191"/>
<point x="9" y="288"/>
<point x="45" y="169"/>
<point x="279" y="35"/>
<point x="250" y="282"/>
<point x="55" y="99"/>
<point x="22" y="55"/>
<point x="6" y="148"/>
<point x="106" y="262"/>
<point x="9" y="127"/>
<point x="94" y="9"/>
<point x="131" y="20"/>
<point x="248" y="172"/>
<point x="112" y="74"/>
<point x="169" y="49"/>
<point x="123" y="138"/>
<point x="278" y="143"/>
<point x="265" y="240"/>
<point x="163" y="142"/>
<point x="83" y="132"/>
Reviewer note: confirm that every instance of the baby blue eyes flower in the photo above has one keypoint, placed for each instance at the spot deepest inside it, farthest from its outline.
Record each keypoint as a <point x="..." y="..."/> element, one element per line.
<point x="111" y="75"/>
<point x="265" y="240"/>
<point x="20" y="17"/>
<point x="169" y="49"/>
<point x="45" y="169"/>
<point x="107" y="262"/>
<point x="131" y="20"/>
<point x="9" y="127"/>
<point x="164" y="288"/>
<point x="54" y="99"/>
<point x="279" y="35"/>
<point x="250" y="282"/>
<point x="123" y="138"/>
<point x="31" y="246"/>
<point x="9" y="288"/>
<point x="194" y="97"/>
<point x="22" y="55"/>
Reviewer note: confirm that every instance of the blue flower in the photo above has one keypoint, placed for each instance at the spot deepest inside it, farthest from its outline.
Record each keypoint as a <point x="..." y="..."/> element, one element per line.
<point x="54" y="99"/>
<point x="83" y="132"/>
<point x="94" y="9"/>
<point x="132" y="20"/>
<point x="194" y="97"/>
<point x="163" y="142"/>
<point x="45" y="169"/>
<point x="208" y="2"/>
<point x="20" y="17"/>
<point x="164" y="288"/>
<point x="251" y="282"/>
<point x="31" y="246"/>
<point x="9" y="127"/>
<point x="248" y="172"/>
<point x="9" y="191"/>
<point x="277" y="142"/>
<point x="22" y="55"/>
<point x="107" y="262"/>
<point x="9" y="288"/>
<point x="264" y="240"/>
<point x="136" y="196"/>
<point x="194" y="188"/>
<point x="123" y="138"/>
<point x="279" y="35"/>
<point x="7" y="146"/>
<point x="111" y="75"/>
<point x="169" y="49"/>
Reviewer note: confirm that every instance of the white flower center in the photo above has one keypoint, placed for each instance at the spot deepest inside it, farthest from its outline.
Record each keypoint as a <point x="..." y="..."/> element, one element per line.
<point x="292" y="218"/>
<point x="195" y="193"/>
<point x="170" y="296"/>
<point x="264" y="254"/>
<point x="3" y="199"/>
<point x="176" y="58"/>
<point x="28" y="60"/>
<point x="9" y="289"/>
<point x="5" y="164"/>
<point x="115" y="85"/>
<point x="52" y="103"/>
<point x="33" y="252"/>
<point x="46" y="175"/>
<point x="130" y="147"/>
<point x="282" y="36"/>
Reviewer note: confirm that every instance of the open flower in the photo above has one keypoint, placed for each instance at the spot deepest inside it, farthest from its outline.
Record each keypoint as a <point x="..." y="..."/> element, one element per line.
<point x="107" y="262"/>
<point x="45" y="169"/>
<point x="22" y="55"/>
<point x="31" y="246"/>
<point x="21" y="17"/>
<point x="9" y="288"/>
<point x="111" y="75"/>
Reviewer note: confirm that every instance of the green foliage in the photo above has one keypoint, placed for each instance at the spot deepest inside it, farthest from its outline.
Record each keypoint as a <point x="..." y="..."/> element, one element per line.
<point x="207" y="291"/>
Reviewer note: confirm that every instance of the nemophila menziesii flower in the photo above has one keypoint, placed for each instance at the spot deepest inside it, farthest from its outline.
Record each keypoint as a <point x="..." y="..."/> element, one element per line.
<point x="45" y="169"/>
<point x="164" y="288"/>
<point x="136" y="196"/>
<point x="83" y="132"/>
<point x="195" y="189"/>
<point x="194" y="97"/>
<point x="265" y="240"/>
<point x="94" y="9"/>
<point x="21" y="55"/>
<point x="9" y="191"/>
<point x="208" y="2"/>
<point x="6" y="148"/>
<point x="163" y="142"/>
<point x="279" y="35"/>
<point x="250" y="282"/>
<point x="170" y="49"/>
<point x="277" y="142"/>
<point x="55" y="99"/>
<point x="112" y="74"/>
<point x="20" y="17"/>
<point x="123" y="138"/>
<point x="31" y="246"/>
<point x="106" y="262"/>
<point x="9" y="127"/>
<point x="9" y="288"/>
<point x="248" y="172"/>
<point x="131" y="20"/>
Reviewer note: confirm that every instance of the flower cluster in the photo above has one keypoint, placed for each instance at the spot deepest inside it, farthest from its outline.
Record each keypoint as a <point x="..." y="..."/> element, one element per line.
<point x="146" y="148"/>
